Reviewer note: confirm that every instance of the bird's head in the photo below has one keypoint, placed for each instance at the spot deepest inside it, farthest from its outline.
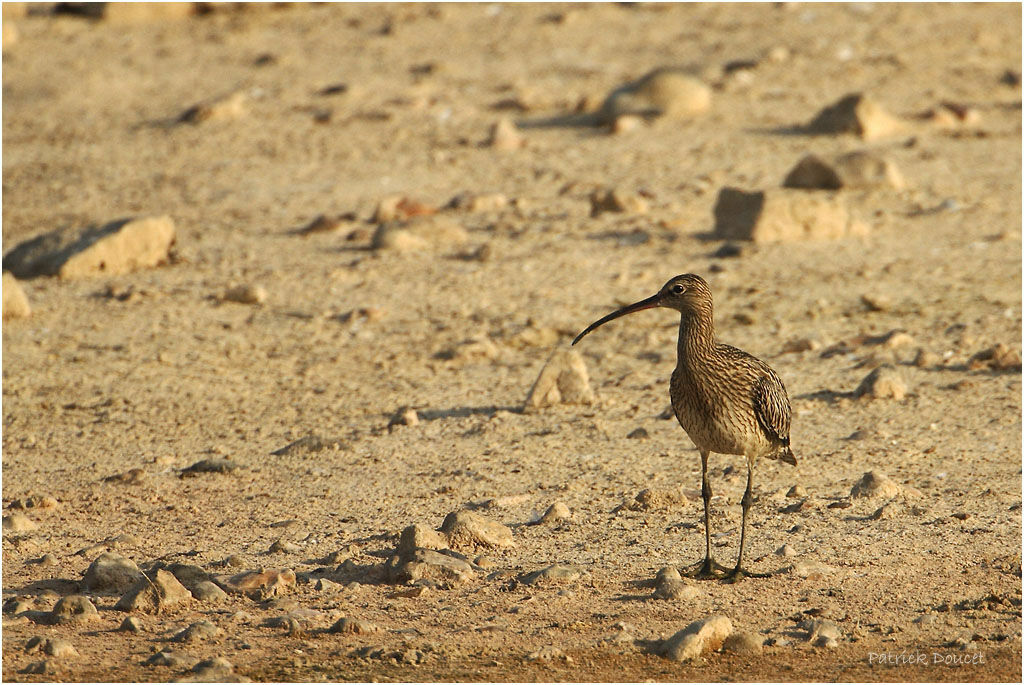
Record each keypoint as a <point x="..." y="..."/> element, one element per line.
<point x="688" y="294"/>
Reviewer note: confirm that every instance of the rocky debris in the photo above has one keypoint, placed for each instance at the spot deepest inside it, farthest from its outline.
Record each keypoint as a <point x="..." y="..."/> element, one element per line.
<point x="668" y="584"/>
<point x="638" y="434"/>
<point x="559" y="511"/>
<point x="430" y="567"/>
<point x="618" y="201"/>
<point x="504" y="136"/>
<point x="259" y="584"/>
<point x="400" y="208"/>
<point x="419" y="234"/>
<point x="167" y="657"/>
<point x="419" y="536"/>
<point x="35" y="502"/>
<point x="131" y="624"/>
<point x="549" y="653"/>
<point x="325" y="585"/>
<point x="821" y="632"/>
<point x="743" y="642"/>
<point x="246" y="293"/>
<point x="208" y="591"/>
<point x="216" y="670"/>
<point x="15" y="302"/>
<point x="479" y="202"/>
<point x="45" y="667"/>
<point x="951" y="116"/>
<point x="858" y="114"/>
<point x="861" y="169"/>
<point x="17" y="605"/>
<point x="797" y="491"/>
<point x="52" y="646"/>
<point x="655" y="499"/>
<point x="876" y="302"/>
<point x="222" y="108"/>
<point x="663" y="93"/>
<point x="471" y="530"/>
<point x="73" y="609"/>
<point x="563" y="379"/>
<point x="18" y="523"/>
<point x="999" y="358"/>
<point x="885" y="382"/>
<point x="284" y="547"/>
<point x="188" y="575"/>
<point x="698" y="638"/>
<point x="129" y="477"/>
<point x="925" y="359"/>
<point x="111" y="572"/>
<point x="215" y="465"/>
<point x="352" y="626"/>
<point x="116" y="248"/>
<point x="199" y="631"/>
<point x="154" y="593"/>
<point x="783" y="215"/>
<point x="556" y="573"/>
<point x="887" y="511"/>
<point x="875" y="485"/>
<point x="403" y="416"/>
<point x="786" y="550"/>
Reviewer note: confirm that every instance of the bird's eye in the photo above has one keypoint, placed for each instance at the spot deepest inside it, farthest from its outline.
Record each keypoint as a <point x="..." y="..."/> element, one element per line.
<point x="678" y="289"/>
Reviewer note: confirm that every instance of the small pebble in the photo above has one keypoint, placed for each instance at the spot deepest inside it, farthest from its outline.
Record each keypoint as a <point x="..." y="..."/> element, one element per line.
<point x="207" y="591"/>
<point x="786" y="551"/>
<point x="743" y="642"/>
<point x="558" y="511"/>
<point x="797" y="491"/>
<point x="198" y="631"/>
<point x="131" y="624"/>
<point x="246" y="294"/>
<point x="284" y="546"/>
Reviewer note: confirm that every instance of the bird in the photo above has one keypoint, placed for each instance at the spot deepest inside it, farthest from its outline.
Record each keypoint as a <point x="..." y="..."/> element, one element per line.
<point x="727" y="401"/>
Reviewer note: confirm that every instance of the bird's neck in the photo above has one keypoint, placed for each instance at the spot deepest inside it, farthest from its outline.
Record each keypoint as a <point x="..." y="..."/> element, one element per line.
<point x="696" y="337"/>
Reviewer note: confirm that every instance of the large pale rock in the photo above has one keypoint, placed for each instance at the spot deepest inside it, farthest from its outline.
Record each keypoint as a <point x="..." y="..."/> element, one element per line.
<point x="74" y="609"/>
<point x="153" y="595"/>
<point x="419" y="536"/>
<point x="111" y="572"/>
<point x="885" y="382"/>
<point x="858" y="114"/>
<point x="665" y="92"/>
<point x="467" y="529"/>
<point x="419" y="234"/>
<point x="116" y="248"/>
<point x="220" y="108"/>
<point x="875" y="484"/>
<point x="431" y="566"/>
<point x="783" y="215"/>
<point x="563" y="379"/>
<point x="861" y="169"/>
<point x="698" y="638"/>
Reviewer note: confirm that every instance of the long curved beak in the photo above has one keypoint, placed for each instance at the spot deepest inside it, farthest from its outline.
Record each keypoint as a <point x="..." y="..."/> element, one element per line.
<point x="649" y="303"/>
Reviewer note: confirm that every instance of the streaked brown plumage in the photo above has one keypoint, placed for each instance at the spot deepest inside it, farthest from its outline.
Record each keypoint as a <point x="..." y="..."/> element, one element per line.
<point x="726" y="400"/>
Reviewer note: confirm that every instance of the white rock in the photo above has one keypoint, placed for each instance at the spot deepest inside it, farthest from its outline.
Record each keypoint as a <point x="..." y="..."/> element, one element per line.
<point x="698" y="638"/>
<point x="564" y="378"/>
<point x="783" y="215"/>
<point x="15" y="303"/>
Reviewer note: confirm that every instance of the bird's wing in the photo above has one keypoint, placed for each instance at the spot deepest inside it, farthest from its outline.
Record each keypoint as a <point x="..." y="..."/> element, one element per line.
<point x="771" y="406"/>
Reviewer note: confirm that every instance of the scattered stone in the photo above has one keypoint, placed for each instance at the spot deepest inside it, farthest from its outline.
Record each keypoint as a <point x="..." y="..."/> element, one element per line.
<point x="999" y="358"/>
<point x="798" y="345"/>
<point x="783" y="215"/>
<point x="468" y="529"/>
<point x="861" y="169"/>
<point x="46" y="667"/>
<point x="35" y="502"/>
<point x="559" y="511"/>
<point x="131" y="624"/>
<point x="483" y="202"/>
<point x="325" y="585"/>
<point x="198" y="631"/>
<point x="18" y="523"/>
<point x="698" y="638"/>
<point x="116" y="248"/>
<point x="887" y="511"/>
<point x="427" y="565"/>
<point x="786" y="550"/>
<point x="419" y="536"/>
<point x="245" y="294"/>
<point x="405" y="416"/>
<point x="216" y="670"/>
<point x="875" y="484"/>
<point x="284" y="546"/>
<point x="130" y="477"/>
<point x="549" y="653"/>
<point x="419" y="234"/>
<point x="556" y="573"/>
<point x="188" y="575"/>
<point x="208" y="591"/>
<point x="73" y="609"/>
<point x="223" y="108"/>
<point x="15" y="303"/>
<point x="563" y="379"/>
<point x="743" y="642"/>
<point x="47" y="560"/>
<point x="876" y="303"/>
<point x="797" y="491"/>
<point x="215" y="465"/>
<point x="53" y="646"/>
<point x="926" y="360"/>
<point x="822" y="632"/>
<point x="654" y="499"/>
<point x="668" y="584"/>
<point x="665" y="92"/>
<point x="352" y="626"/>
<point x="858" y="114"/>
<point x="167" y="657"/>
<point x="885" y="382"/>
<point x="400" y="208"/>
<point x="111" y="572"/>
<point x="614" y="200"/>
<point x="638" y="434"/>
<point x="952" y="115"/>
<point x="926" y="619"/>
<point x="260" y="584"/>
<point x="504" y="136"/>
<point x="153" y="594"/>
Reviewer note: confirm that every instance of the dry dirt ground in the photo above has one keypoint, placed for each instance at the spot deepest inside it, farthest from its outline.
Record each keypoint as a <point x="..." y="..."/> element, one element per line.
<point x="347" y="104"/>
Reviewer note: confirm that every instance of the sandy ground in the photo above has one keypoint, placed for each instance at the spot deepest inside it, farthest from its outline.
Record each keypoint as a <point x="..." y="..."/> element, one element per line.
<point x="154" y="371"/>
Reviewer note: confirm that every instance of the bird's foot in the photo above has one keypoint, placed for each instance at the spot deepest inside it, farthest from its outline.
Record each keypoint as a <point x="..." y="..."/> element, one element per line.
<point x="739" y="573"/>
<point x="709" y="569"/>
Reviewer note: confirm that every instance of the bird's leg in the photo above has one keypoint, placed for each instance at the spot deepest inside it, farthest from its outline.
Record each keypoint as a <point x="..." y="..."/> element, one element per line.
<point x="709" y="566"/>
<point x="748" y="499"/>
